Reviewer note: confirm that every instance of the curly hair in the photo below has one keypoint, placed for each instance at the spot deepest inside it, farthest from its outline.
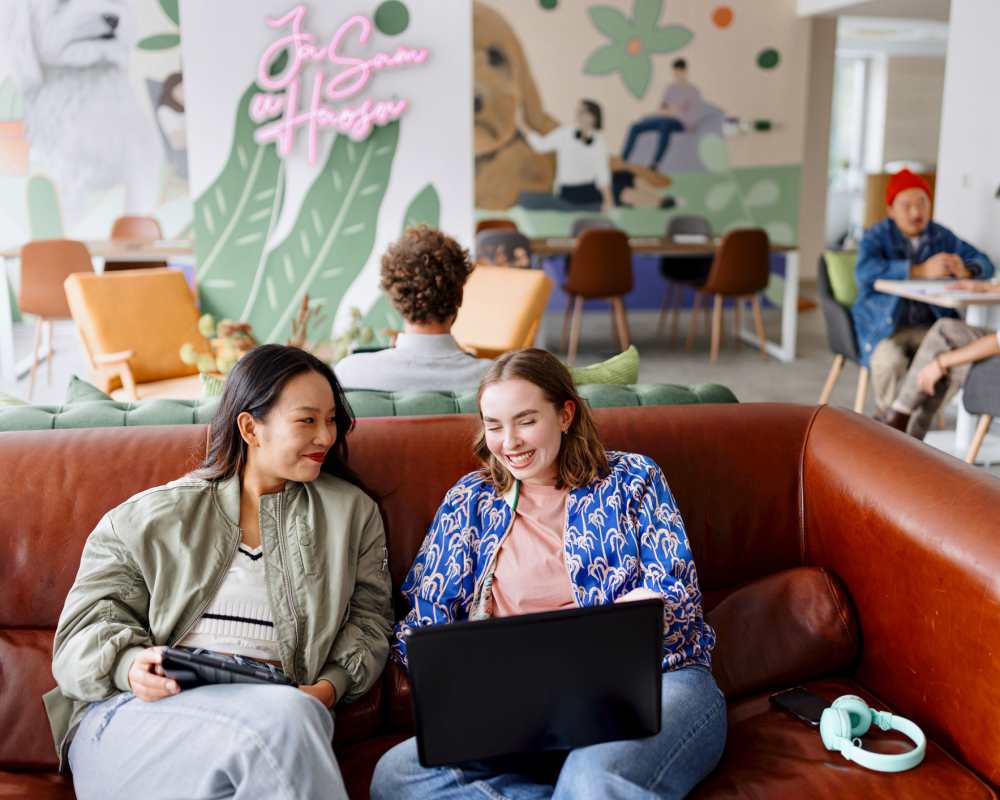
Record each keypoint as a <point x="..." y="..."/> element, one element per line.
<point x="424" y="273"/>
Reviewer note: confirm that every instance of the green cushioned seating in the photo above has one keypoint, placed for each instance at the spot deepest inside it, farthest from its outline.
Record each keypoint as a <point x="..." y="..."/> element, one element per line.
<point x="840" y="268"/>
<point x="94" y="412"/>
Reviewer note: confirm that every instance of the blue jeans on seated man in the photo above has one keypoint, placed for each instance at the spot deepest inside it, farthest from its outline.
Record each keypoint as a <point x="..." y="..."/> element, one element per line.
<point x="668" y="765"/>
<point x="664" y="126"/>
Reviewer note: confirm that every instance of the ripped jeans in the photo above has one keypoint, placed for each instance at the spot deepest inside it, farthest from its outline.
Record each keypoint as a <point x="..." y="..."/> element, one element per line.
<point x="237" y="741"/>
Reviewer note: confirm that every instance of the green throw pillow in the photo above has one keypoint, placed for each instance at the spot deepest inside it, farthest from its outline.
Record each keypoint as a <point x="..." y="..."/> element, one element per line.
<point x="10" y="400"/>
<point x="840" y="270"/>
<point x="79" y="391"/>
<point x="621" y="369"/>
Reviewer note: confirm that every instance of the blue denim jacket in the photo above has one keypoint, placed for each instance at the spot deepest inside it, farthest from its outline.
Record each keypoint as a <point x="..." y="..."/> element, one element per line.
<point x="886" y="253"/>
<point x="623" y="531"/>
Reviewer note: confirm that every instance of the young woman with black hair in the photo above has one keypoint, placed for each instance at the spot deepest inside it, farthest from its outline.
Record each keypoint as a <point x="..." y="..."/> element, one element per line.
<point x="270" y="550"/>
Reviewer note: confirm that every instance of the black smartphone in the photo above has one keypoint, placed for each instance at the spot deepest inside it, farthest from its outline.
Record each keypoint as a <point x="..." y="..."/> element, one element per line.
<point x="800" y="703"/>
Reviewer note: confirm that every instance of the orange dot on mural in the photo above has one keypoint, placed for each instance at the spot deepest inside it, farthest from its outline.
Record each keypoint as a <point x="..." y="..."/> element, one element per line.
<point x="634" y="46"/>
<point x="722" y="16"/>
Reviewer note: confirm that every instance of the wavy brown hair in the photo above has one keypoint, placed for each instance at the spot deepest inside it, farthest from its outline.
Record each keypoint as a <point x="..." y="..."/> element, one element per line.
<point x="581" y="456"/>
<point x="424" y="274"/>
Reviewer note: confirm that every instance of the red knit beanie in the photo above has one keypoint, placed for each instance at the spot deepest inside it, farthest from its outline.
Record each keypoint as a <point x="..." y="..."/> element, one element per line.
<point x="903" y="180"/>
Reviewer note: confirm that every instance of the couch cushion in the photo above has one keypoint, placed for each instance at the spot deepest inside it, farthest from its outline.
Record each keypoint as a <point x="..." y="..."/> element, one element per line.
<point x="783" y="629"/>
<point x="80" y="391"/>
<point x="620" y="369"/>
<point x="770" y="754"/>
<point x="25" y="675"/>
<point x="360" y="720"/>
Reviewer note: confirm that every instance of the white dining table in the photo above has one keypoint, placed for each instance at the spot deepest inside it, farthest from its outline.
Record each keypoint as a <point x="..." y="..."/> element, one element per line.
<point x="978" y="309"/>
<point x="109" y="251"/>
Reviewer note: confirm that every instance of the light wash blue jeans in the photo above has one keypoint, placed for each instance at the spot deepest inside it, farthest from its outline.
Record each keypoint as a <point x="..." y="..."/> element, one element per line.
<point x="668" y="765"/>
<point x="237" y="741"/>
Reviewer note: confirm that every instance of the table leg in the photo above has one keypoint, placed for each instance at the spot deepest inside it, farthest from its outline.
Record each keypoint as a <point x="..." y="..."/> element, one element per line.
<point x="785" y="350"/>
<point x="7" y="371"/>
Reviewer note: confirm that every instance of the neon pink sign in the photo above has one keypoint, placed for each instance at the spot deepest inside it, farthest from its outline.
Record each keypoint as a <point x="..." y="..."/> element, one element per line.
<point x="310" y="110"/>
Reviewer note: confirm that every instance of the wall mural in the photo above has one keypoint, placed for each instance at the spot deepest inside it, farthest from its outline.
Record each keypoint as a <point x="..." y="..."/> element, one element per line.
<point x="673" y="155"/>
<point x="91" y="117"/>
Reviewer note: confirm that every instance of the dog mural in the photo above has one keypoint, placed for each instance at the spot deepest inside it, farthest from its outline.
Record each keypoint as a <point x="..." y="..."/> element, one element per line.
<point x="505" y="102"/>
<point x="86" y="128"/>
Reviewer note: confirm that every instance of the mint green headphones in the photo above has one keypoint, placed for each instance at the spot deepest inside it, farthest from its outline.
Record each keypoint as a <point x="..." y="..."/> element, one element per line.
<point x="850" y="717"/>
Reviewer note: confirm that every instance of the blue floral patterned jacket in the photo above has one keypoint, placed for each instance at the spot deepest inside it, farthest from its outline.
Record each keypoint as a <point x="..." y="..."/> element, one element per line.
<point x="622" y="532"/>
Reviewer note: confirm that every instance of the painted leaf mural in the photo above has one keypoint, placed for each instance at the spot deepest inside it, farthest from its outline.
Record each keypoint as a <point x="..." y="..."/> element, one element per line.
<point x="332" y="237"/>
<point x="234" y="217"/>
<point x="424" y="208"/>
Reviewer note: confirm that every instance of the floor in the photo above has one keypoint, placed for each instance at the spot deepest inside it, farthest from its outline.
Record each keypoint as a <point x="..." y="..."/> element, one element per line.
<point x="741" y="368"/>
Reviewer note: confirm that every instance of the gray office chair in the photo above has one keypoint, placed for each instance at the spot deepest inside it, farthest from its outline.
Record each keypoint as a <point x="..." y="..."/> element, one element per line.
<point x="841" y="338"/>
<point x="981" y="395"/>
<point x="682" y="271"/>
<point x="589" y="223"/>
<point x="500" y="247"/>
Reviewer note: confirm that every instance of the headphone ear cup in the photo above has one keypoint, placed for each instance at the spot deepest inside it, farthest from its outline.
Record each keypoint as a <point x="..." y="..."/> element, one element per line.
<point x="858" y="711"/>
<point x="834" y="728"/>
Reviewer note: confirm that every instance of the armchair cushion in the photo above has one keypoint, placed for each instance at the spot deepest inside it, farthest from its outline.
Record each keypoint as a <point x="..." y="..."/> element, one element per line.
<point x="621" y="369"/>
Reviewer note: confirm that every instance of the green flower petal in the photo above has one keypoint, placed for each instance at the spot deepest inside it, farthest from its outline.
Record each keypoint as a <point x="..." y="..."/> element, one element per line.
<point x="636" y="72"/>
<point x="666" y="39"/>
<point x="161" y="41"/>
<point x="612" y="22"/>
<point x="647" y="13"/>
<point x="606" y="59"/>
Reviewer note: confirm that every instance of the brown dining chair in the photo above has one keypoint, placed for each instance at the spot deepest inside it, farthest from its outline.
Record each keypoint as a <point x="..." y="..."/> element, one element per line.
<point x="45" y="265"/>
<point x="741" y="270"/>
<point x="135" y="229"/>
<point x="601" y="269"/>
<point x="495" y="224"/>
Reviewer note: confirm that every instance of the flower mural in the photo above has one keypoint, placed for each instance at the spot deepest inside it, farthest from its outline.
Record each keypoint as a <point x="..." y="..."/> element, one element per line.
<point x="633" y="43"/>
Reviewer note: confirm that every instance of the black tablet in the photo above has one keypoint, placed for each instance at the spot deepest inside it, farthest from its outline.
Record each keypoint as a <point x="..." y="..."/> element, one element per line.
<point x="195" y="667"/>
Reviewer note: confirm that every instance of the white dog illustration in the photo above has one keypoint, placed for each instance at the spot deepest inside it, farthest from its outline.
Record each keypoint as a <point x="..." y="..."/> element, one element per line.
<point x="85" y="126"/>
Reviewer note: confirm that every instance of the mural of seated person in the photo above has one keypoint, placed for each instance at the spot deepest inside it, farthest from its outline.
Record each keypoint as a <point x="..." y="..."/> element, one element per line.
<point x="667" y="141"/>
<point x="423" y="275"/>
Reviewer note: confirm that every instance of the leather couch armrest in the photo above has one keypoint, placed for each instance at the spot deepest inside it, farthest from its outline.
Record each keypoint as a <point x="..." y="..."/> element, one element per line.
<point x="400" y="698"/>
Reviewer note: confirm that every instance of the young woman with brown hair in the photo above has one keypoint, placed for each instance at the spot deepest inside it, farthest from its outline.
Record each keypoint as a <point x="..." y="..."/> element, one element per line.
<point x="552" y="521"/>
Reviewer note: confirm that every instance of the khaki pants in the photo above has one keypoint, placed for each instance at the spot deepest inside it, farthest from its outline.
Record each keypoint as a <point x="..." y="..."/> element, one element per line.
<point x="890" y="361"/>
<point x="947" y="334"/>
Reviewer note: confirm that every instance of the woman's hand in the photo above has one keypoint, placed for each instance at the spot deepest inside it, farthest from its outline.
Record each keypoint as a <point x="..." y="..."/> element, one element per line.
<point x="640" y="593"/>
<point x="322" y="691"/>
<point x="928" y="377"/>
<point x="147" y="679"/>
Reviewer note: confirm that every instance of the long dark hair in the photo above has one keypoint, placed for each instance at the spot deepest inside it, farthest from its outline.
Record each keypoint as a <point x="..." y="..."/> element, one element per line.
<point x="254" y="385"/>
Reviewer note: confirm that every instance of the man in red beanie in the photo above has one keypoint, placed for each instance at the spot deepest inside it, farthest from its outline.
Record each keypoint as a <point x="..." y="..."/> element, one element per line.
<point x="906" y="245"/>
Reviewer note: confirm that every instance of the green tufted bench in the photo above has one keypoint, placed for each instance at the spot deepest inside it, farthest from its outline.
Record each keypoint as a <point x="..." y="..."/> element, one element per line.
<point x="366" y="403"/>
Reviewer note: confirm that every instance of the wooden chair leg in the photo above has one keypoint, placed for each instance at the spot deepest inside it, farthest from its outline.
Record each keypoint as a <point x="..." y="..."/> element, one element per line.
<point x="621" y="322"/>
<point x="831" y="379"/>
<point x="859" y="398"/>
<point x="51" y="353"/>
<point x="758" y="323"/>
<point x="695" y="308"/>
<point x="736" y="322"/>
<point x="34" y="357"/>
<point x="668" y="302"/>
<point x="675" y="322"/>
<point x="574" y="336"/>
<point x="716" y="328"/>
<point x="564" y="340"/>
<point x="977" y="441"/>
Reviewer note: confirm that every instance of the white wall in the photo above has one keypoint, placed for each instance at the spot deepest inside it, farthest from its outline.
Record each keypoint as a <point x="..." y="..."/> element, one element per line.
<point x="913" y="108"/>
<point x="968" y="157"/>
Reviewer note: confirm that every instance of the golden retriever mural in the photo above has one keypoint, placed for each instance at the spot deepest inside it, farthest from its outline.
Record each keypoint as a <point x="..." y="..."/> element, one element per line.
<point x="505" y="98"/>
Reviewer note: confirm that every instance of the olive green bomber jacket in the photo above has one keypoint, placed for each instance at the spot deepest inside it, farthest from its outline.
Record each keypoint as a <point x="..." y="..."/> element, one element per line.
<point x="153" y="564"/>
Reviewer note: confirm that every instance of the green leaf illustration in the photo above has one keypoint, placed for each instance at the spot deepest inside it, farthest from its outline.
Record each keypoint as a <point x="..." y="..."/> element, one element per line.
<point x="612" y="22"/>
<point x="333" y="235"/>
<point x="161" y="41"/>
<point x="667" y="39"/>
<point x="170" y="9"/>
<point x="646" y="13"/>
<point x="604" y="60"/>
<point x="234" y="217"/>
<point x="713" y="153"/>
<point x="424" y="208"/>
<point x="763" y="193"/>
<point x="720" y="196"/>
<point x="636" y="72"/>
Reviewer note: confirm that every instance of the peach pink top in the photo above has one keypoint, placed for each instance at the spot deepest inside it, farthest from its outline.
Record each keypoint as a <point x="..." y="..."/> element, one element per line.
<point x="530" y="574"/>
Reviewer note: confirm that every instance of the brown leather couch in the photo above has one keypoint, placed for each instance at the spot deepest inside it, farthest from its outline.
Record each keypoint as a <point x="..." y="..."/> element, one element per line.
<point x="832" y="552"/>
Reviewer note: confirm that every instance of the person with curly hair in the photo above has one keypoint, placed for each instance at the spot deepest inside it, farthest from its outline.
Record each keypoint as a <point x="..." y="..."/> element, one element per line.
<point x="423" y="275"/>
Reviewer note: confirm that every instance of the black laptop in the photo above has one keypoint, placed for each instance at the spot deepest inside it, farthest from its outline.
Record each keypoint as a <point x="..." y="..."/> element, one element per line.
<point x="536" y="682"/>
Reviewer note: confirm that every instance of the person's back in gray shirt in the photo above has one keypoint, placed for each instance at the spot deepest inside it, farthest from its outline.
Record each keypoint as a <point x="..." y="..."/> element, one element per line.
<point x="418" y="362"/>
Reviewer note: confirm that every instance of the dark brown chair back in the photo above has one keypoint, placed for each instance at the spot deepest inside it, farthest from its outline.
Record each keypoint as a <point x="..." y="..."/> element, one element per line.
<point x="742" y="264"/>
<point x="45" y="265"/>
<point x="491" y="224"/>
<point x="602" y="264"/>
